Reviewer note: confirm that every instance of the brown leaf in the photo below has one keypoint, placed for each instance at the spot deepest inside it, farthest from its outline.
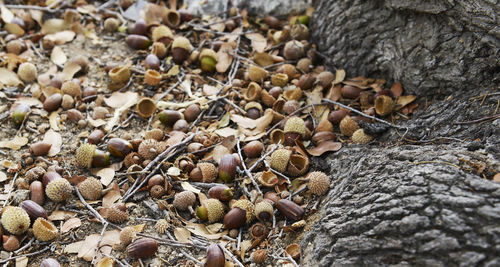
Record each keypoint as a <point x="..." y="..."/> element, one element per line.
<point x="224" y="58"/>
<point x="263" y="59"/>
<point x="107" y="175"/>
<point x="259" y="42"/>
<point x="397" y="89"/>
<point x="7" y="15"/>
<point x="61" y="215"/>
<point x="325" y="146"/>
<point x="61" y="38"/>
<point x="8" y="78"/>
<point x="55" y="140"/>
<point x="14" y="144"/>
<point x="339" y="76"/>
<point x="69" y="71"/>
<point x="112" y="196"/>
<point x="405" y="100"/>
<point x="182" y="235"/>
<point x="71" y="224"/>
<point x="118" y="99"/>
<point x="53" y="26"/>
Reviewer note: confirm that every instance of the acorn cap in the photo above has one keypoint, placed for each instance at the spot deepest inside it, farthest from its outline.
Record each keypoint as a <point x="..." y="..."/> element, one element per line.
<point x="279" y="79"/>
<point x="71" y="88"/>
<point x="44" y="230"/>
<point x="181" y="42"/>
<point x="184" y="199"/>
<point x="253" y="104"/>
<point x="160" y="32"/>
<point x="150" y="148"/>
<point x="258" y="256"/>
<point x="246" y="205"/>
<point x="161" y="226"/>
<point x="360" y="137"/>
<point x="59" y="190"/>
<point x="384" y="105"/>
<point x="27" y="72"/>
<point x="264" y="210"/>
<point x="319" y="183"/>
<point x="256" y="73"/>
<point x="279" y="159"/>
<point x="117" y="213"/>
<point x="15" y="220"/>
<point x="131" y="159"/>
<point x="295" y="125"/>
<point x="156" y="134"/>
<point x="91" y="188"/>
<point x="127" y="235"/>
<point x="298" y="165"/>
<point x="208" y="171"/>
<point x="208" y="53"/>
<point x="215" y="209"/>
<point x="348" y="126"/>
<point x="84" y="155"/>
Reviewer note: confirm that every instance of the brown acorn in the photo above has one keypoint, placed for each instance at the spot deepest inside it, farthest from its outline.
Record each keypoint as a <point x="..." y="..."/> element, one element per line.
<point x="95" y="136"/>
<point x="142" y="248"/>
<point x="337" y="115"/>
<point x="53" y="102"/>
<point x="351" y="92"/>
<point x="180" y="49"/>
<point x="264" y="210"/>
<point x="295" y="129"/>
<point x="221" y="192"/>
<point x="100" y="159"/>
<point x="253" y="149"/>
<point x="293" y="50"/>
<point x="10" y="243"/>
<point x="191" y="112"/>
<point x="152" y="62"/>
<point x="36" y="192"/>
<point x="162" y="34"/>
<point x="137" y="41"/>
<point x="289" y="209"/>
<point x="33" y="209"/>
<point x="227" y="168"/>
<point x="40" y="148"/>
<point x="215" y="256"/>
<point x="119" y="147"/>
<point x="204" y="172"/>
<point x="169" y="117"/>
<point x="235" y="218"/>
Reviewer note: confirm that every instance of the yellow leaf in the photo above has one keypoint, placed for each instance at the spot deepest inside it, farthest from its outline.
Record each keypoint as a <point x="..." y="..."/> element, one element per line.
<point x="405" y="100"/>
<point x="8" y="78"/>
<point x="14" y="144"/>
<point x="182" y="235"/>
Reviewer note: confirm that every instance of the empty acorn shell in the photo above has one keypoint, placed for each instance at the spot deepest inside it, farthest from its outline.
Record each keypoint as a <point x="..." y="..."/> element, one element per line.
<point x="152" y="77"/>
<point x="146" y="107"/>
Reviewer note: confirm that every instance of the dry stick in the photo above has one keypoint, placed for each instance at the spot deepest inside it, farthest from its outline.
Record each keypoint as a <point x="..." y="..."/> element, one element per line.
<point x="364" y="115"/>
<point x="179" y="81"/>
<point x="496" y="116"/>
<point x="10" y="189"/>
<point x="25" y="255"/>
<point x="264" y="156"/>
<point x="240" y="110"/>
<point x="96" y="214"/>
<point x="184" y="252"/>
<point x="161" y="157"/>
<point x="248" y="173"/>
<point x="235" y="260"/>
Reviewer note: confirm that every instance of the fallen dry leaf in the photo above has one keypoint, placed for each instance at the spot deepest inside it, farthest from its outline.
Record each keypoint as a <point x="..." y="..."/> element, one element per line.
<point x="61" y="215"/>
<point x="397" y="89"/>
<point x="69" y="71"/>
<point x="224" y="58"/>
<point x="3" y="177"/>
<point x="119" y="99"/>
<point x="14" y="144"/>
<point x="245" y="245"/>
<point x="71" y="224"/>
<point x="339" y="76"/>
<point x="22" y="262"/>
<point x="325" y="146"/>
<point x="182" y="235"/>
<point x="8" y="78"/>
<point x="188" y="187"/>
<point x="54" y="120"/>
<point x="201" y="230"/>
<point x="61" y="37"/>
<point x="259" y="42"/>
<point x="112" y="196"/>
<point x="57" y="56"/>
<point x="7" y="15"/>
<point x="405" y="100"/>
<point x="53" y="26"/>
<point x="88" y="248"/>
<point x="73" y="247"/>
<point x="107" y="175"/>
<point x="263" y="59"/>
<point x="55" y="140"/>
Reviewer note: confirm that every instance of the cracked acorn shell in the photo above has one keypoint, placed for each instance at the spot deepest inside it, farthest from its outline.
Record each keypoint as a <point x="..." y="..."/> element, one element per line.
<point x="360" y="137"/>
<point x="212" y="210"/>
<point x="59" y="190"/>
<point x="279" y="159"/>
<point x="384" y="105"/>
<point x="84" y="155"/>
<point x="184" y="200"/>
<point x="348" y="126"/>
<point x="15" y="220"/>
<point x="279" y="79"/>
<point x="91" y="188"/>
<point x="44" y="230"/>
<point x="120" y="74"/>
<point x="319" y="183"/>
<point x="253" y="91"/>
<point x="10" y="243"/>
<point x="264" y="210"/>
<point x="246" y="205"/>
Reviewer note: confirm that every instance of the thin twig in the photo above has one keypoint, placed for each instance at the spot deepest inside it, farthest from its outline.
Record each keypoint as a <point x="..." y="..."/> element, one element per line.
<point x="96" y="214"/>
<point x="10" y="189"/>
<point x="492" y="117"/>
<point x="231" y="255"/>
<point x="248" y="173"/>
<point x="26" y="255"/>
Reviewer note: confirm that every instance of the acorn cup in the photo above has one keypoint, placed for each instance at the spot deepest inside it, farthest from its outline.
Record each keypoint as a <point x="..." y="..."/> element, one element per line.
<point x="384" y="105"/>
<point x="172" y="18"/>
<point x="253" y="91"/>
<point x="120" y="75"/>
<point x="15" y="220"/>
<point x="204" y="172"/>
<point x="44" y="230"/>
<point x="163" y="35"/>
<point x="19" y="113"/>
<point x="258" y="231"/>
<point x="319" y="183"/>
<point x="152" y="77"/>
<point x="211" y="210"/>
<point x="146" y="107"/>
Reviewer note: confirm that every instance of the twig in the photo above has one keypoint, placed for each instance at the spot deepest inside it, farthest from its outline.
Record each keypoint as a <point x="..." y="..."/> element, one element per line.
<point x="10" y="189"/>
<point x="26" y="255"/>
<point x="264" y="156"/>
<point x="231" y="255"/>
<point x="248" y="173"/>
<point x="96" y="214"/>
<point x="492" y="117"/>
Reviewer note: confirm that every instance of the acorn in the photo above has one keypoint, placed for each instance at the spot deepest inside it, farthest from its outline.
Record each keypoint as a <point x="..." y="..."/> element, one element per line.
<point x="185" y="163"/>
<point x="127" y="235"/>
<point x="258" y="231"/>
<point x="36" y="191"/>
<point x="253" y="109"/>
<point x="325" y="79"/>
<point x="44" y="230"/>
<point x="180" y="49"/>
<point x="253" y="91"/>
<point x="40" y="148"/>
<point x="117" y="213"/>
<point x="181" y="125"/>
<point x="245" y="205"/>
<point x="227" y="168"/>
<point x="27" y="72"/>
<point x="264" y="210"/>
<point x="184" y="200"/>
<point x="157" y="191"/>
<point x="50" y="262"/>
<point x="291" y="106"/>
<point x="84" y="155"/>
<point x="81" y="61"/>
<point x="157" y="179"/>
<point x="172" y="18"/>
<point x="272" y="22"/>
<point x="120" y="74"/>
<point x="49" y="177"/>
<point x="208" y="60"/>
<point x="119" y="147"/>
<point x="146" y="107"/>
<point x="162" y="34"/>
<point x="67" y="102"/>
<point x="306" y="81"/>
<point x="192" y="112"/>
<point x="295" y="129"/>
<point x="215" y="256"/>
<point x="235" y="218"/>
<point x="156" y="134"/>
<point x="304" y="19"/>
<point x="161" y="226"/>
<point x="15" y="220"/>
<point x="15" y="47"/>
<point x="159" y="49"/>
<point x="100" y="159"/>
<point x="221" y="192"/>
<point x="53" y="102"/>
<point x="319" y="183"/>
<point x="152" y="62"/>
<point x="131" y="159"/>
<point x="253" y="149"/>
<point x="152" y="77"/>
<point x="140" y="27"/>
<point x="289" y="70"/>
<point x="271" y="196"/>
<point x="258" y="256"/>
<point x="74" y="115"/>
<point x="279" y="159"/>
<point x="211" y="209"/>
<point x="142" y="248"/>
<point x="348" y="126"/>
<point x="19" y="113"/>
<point x="59" y="189"/>
<point x="95" y="136"/>
<point x="293" y="250"/>
<point x="279" y="79"/>
<point x="91" y="188"/>
<point x="293" y="50"/>
<point x="299" y="32"/>
<point x="360" y="137"/>
<point x="169" y="117"/>
<point x="256" y="73"/>
<point x="204" y="172"/>
<point x="137" y="41"/>
<point x="384" y="105"/>
<point x="10" y="243"/>
<point x="71" y="88"/>
<point x="150" y="148"/>
<point x="34" y="210"/>
<point x="351" y="92"/>
<point x="337" y="115"/>
<point x="289" y="209"/>
<point x="34" y="173"/>
<point x="111" y="24"/>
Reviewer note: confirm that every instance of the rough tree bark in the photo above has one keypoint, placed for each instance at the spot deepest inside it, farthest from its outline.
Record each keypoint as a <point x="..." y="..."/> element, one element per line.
<point x="424" y="199"/>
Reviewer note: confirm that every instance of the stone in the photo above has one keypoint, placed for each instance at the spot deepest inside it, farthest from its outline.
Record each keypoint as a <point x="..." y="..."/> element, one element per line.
<point x="254" y="7"/>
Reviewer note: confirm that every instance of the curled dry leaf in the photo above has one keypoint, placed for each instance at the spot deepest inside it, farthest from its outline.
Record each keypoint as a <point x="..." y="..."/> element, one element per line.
<point x="3" y="177"/>
<point x="245" y="245"/>
<point x="226" y="132"/>
<point x="107" y="175"/>
<point x="61" y="38"/>
<point x="405" y="100"/>
<point x="188" y="187"/>
<point x="69" y="71"/>
<point x="106" y="262"/>
<point x="8" y="78"/>
<point x="224" y="58"/>
<point x="325" y="146"/>
<point x="182" y="235"/>
<point x="111" y="196"/>
<point x="44" y="78"/>
<point x="201" y="230"/>
<point x="7" y="15"/>
<point x="173" y="71"/>
<point x="14" y="144"/>
<point x="71" y="224"/>
<point x="339" y="76"/>
<point x="57" y="56"/>
<point x="118" y="99"/>
<point x="54" y="120"/>
<point x="55" y="139"/>
<point x="88" y="248"/>
<point x="259" y="42"/>
<point x="397" y="89"/>
<point x="53" y="26"/>
<point x="263" y="59"/>
<point x="118" y="112"/>
<point x="29" y="101"/>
